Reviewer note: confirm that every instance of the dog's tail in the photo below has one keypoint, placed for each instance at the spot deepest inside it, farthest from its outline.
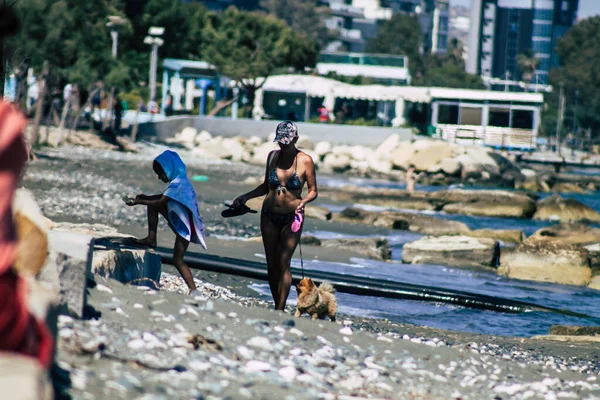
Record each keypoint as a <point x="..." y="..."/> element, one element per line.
<point x="326" y="286"/>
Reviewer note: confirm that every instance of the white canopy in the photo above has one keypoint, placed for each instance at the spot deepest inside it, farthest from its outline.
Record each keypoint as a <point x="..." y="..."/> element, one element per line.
<point x="329" y="89"/>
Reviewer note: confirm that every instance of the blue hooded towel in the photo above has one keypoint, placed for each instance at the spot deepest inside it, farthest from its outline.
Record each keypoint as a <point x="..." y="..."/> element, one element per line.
<point x="182" y="207"/>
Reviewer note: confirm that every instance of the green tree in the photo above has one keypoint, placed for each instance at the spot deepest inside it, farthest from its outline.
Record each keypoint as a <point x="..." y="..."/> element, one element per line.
<point x="249" y="46"/>
<point x="70" y="34"/>
<point x="401" y="35"/>
<point x="448" y="70"/>
<point x="9" y="25"/>
<point x="528" y="63"/>
<point x="579" y="54"/>
<point x="306" y="17"/>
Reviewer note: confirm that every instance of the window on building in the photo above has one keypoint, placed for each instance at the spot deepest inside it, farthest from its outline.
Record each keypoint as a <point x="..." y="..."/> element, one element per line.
<point x="448" y="114"/>
<point x="499" y="117"/>
<point x="522" y="119"/>
<point x="442" y="42"/>
<point x="470" y="115"/>
<point x="543" y="30"/>
<point x="545" y="15"/>
<point x="542" y="46"/>
<point x="443" y="24"/>
<point x="565" y="6"/>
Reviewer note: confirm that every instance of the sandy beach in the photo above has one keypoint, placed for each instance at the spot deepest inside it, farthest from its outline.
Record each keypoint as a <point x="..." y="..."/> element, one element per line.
<point x="138" y="347"/>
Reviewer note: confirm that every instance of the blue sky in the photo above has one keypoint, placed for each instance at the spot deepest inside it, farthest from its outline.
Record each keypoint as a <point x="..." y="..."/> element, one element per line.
<point x="587" y="8"/>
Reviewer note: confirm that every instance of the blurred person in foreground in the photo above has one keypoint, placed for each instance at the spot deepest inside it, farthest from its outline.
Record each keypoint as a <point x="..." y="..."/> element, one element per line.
<point x="286" y="173"/>
<point x="20" y="332"/>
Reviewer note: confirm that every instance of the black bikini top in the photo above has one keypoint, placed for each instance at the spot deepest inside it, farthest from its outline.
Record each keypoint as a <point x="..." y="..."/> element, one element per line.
<point x="293" y="183"/>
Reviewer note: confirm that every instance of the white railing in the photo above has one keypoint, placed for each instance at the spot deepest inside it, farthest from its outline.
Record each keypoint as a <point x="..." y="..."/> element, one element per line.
<point x="351" y="33"/>
<point x="346" y="8"/>
<point x="492" y="136"/>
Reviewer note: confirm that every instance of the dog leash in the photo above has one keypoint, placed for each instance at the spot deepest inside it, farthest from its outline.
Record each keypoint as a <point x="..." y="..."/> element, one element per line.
<point x="301" y="258"/>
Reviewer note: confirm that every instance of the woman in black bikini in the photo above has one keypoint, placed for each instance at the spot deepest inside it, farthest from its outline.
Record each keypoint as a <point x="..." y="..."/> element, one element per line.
<point x="286" y="172"/>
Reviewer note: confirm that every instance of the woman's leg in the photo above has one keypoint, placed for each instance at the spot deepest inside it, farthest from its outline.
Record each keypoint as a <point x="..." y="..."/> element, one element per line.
<point x="288" y="242"/>
<point x="179" y="250"/>
<point x="152" y="212"/>
<point x="270" y="236"/>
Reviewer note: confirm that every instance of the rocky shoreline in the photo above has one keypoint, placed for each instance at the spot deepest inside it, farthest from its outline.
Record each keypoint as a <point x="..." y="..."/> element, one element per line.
<point x="435" y="162"/>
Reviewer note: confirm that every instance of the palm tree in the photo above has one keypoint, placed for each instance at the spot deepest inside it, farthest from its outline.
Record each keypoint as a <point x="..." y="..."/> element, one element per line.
<point x="528" y="63"/>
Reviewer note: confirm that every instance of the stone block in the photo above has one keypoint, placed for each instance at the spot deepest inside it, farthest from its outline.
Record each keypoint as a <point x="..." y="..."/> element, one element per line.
<point x="139" y="267"/>
<point x="67" y="268"/>
<point x="453" y="251"/>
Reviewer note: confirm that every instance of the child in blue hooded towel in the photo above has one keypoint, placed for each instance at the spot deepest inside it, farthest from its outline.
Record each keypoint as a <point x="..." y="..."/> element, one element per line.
<point x="178" y="205"/>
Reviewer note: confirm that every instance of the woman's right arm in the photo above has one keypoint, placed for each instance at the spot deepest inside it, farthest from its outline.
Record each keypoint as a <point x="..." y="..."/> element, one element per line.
<point x="260" y="190"/>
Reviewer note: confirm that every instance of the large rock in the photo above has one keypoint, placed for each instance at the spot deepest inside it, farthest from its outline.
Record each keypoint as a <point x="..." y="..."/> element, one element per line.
<point x="568" y="330"/>
<point x="400" y="200"/>
<point x="491" y="209"/>
<point x="546" y="262"/>
<point x="567" y="234"/>
<point x="335" y="162"/>
<point x="321" y="149"/>
<point x="32" y="233"/>
<point x="322" y="213"/>
<point x="377" y="248"/>
<point x="594" y="253"/>
<point x="391" y="142"/>
<point x="356" y="216"/>
<point x="187" y="137"/>
<point x="402" y="221"/>
<point x="493" y="203"/>
<point x="427" y="157"/>
<point x="556" y="208"/>
<point x="594" y="283"/>
<point x="565" y="187"/>
<point x="420" y="223"/>
<point x="235" y="149"/>
<point x="453" y="251"/>
<point x="477" y="161"/>
<point x="504" y="235"/>
<point x="138" y="267"/>
<point x="67" y="268"/>
<point x="450" y="166"/>
<point x="261" y="153"/>
<point x="400" y="156"/>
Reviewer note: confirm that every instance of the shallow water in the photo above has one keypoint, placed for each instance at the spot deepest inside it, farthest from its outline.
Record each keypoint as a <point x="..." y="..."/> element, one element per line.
<point x="572" y="298"/>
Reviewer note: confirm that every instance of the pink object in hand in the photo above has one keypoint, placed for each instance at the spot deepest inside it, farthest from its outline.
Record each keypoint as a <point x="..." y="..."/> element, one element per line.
<point x="297" y="224"/>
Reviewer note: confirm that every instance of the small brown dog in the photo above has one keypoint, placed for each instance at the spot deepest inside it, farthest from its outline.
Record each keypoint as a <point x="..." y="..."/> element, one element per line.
<point x="316" y="302"/>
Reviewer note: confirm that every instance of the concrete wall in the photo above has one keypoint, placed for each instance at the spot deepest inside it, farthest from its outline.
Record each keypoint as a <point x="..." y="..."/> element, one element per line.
<point x="339" y="134"/>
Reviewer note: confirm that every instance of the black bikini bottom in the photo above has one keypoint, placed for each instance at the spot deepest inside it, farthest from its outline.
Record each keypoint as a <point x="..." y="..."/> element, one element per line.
<point x="279" y="220"/>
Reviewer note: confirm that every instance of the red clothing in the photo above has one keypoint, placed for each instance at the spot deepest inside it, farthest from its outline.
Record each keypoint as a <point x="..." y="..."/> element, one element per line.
<point x="323" y="114"/>
<point x="19" y="331"/>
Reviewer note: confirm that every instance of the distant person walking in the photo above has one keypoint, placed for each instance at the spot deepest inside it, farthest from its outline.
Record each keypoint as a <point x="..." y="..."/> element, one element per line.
<point x="410" y="179"/>
<point x="323" y="114"/>
<point x="286" y="173"/>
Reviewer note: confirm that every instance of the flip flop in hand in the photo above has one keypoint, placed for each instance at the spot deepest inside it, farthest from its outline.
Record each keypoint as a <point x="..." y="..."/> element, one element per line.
<point x="236" y="211"/>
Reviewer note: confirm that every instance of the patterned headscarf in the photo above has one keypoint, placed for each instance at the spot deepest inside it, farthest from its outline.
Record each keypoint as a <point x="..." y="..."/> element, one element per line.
<point x="286" y="132"/>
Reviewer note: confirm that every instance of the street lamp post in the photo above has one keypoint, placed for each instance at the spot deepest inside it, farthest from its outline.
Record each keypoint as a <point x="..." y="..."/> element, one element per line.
<point x="114" y="22"/>
<point x="153" y="40"/>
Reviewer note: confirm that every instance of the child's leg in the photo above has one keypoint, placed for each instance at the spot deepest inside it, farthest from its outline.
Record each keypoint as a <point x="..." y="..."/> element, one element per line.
<point x="181" y="246"/>
<point x="152" y="212"/>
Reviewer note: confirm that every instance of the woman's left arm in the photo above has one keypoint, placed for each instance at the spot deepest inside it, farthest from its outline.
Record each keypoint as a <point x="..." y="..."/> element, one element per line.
<point x="311" y="182"/>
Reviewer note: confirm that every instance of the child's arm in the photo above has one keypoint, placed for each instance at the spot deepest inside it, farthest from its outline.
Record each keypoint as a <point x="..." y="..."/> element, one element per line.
<point x="148" y="197"/>
<point x="150" y="201"/>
